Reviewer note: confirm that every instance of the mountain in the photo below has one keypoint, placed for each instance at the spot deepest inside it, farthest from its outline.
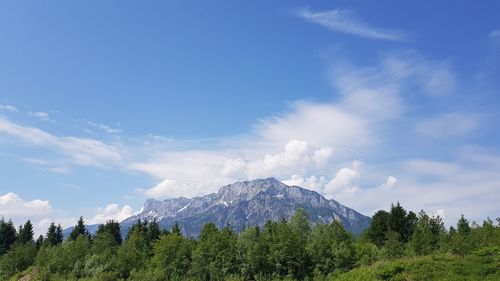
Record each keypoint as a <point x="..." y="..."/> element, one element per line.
<point x="247" y="203"/>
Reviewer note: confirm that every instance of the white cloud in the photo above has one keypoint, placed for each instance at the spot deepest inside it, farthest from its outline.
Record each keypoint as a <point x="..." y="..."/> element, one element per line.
<point x="345" y="182"/>
<point x="348" y="22"/>
<point x="297" y="157"/>
<point x="389" y="183"/>
<point x="40" y="115"/>
<point x="112" y="212"/>
<point x="495" y="33"/>
<point x="313" y="183"/>
<point x="8" y="107"/>
<point x="60" y="170"/>
<point x="171" y="189"/>
<point x="319" y="125"/>
<point x="191" y="174"/>
<point x="82" y="151"/>
<point x="447" y="125"/>
<point x="11" y="205"/>
<point x="105" y="128"/>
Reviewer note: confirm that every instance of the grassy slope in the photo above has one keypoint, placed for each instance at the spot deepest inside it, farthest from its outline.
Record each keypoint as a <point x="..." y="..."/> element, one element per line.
<point x="429" y="268"/>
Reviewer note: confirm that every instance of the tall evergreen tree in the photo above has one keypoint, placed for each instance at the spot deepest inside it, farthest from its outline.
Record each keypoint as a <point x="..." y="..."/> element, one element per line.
<point x="59" y="234"/>
<point x="111" y="228"/>
<point x="378" y="228"/>
<point x="50" y="237"/>
<point x="154" y="231"/>
<point x="422" y="241"/>
<point x="39" y="241"/>
<point x="463" y="227"/>
<point x="397" y="219"/>
<point x="26" y="233"/>
<point x="78" y="230"/>
<point x="54" y="235"/>
<point x="176" y="229"/>
<point x="8" y="235"/>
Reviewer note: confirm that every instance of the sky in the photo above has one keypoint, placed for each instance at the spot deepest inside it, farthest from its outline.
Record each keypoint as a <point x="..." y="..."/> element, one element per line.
<point x="104" y="104"/>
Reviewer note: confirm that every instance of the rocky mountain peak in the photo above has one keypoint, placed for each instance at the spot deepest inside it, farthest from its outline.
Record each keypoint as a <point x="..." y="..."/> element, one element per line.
<point x="247" y="203"/>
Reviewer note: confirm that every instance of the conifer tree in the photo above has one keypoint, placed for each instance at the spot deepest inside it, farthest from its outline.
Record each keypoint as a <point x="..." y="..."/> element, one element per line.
<point x="79" y="229"/>
<point x="51" y="237"/>
<point x="176" y="229"/>
<point x="26" y="233"/>
<point x="463" y="227"/>
<point x="378" y="228"/>
<point x="8" y="235"/>
<point x="59" y="234"/>
<point x="111" y="228"/>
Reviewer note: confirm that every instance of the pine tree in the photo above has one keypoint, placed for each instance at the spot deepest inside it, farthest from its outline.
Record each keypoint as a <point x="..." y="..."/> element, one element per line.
<point x="53" y="237"/>
<point x="39" y="241"/>
<point x="111" y="228"/>
<point x="50" y="237"/>
<point x="378" y="228"/>
<point x="8" y="235"/>
<point x="154" y="231"/>
<point x="422" y="241"/>
<point x="26" y="233"/>
<point x="463" y="227"/>
<point x="397" y="220"/>
<point x="79" y="229"/>
<point x="176" y="229"/>
<point x="59" y="234"/>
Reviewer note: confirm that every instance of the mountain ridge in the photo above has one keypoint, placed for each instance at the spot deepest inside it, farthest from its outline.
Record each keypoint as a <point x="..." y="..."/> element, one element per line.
<point x="246" y="203"/>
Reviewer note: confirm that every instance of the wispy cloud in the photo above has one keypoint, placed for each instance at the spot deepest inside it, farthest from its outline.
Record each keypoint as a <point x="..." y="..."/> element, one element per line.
<point x="495" y="33"/>
<point x="82" y="151"/>
<point x="105" y="128"/>
<point x="41" y="115"/>
<point x="9" y="107"/>
<point x="348" y="21"/>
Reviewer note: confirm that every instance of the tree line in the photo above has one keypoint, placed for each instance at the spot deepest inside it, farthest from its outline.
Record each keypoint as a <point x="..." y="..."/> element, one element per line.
<point x="291" y="250"/>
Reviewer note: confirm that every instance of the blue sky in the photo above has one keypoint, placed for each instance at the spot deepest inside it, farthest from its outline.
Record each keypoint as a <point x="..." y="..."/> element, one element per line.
<point x="104" y="104"/>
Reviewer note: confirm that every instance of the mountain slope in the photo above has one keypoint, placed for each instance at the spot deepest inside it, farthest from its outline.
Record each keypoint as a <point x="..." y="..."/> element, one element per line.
<point x="247" y="203"/>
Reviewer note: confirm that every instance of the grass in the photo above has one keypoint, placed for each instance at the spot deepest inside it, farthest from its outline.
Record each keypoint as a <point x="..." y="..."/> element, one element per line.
<point x="478" y="266"/>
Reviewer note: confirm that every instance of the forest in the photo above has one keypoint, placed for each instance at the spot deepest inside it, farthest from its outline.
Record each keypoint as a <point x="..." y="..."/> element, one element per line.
<point x="398" y="245"/>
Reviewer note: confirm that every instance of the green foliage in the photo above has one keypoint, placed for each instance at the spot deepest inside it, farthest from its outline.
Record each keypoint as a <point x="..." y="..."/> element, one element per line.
<point x="252" y="253"/>
<point x="18" y="258"/>
<point x="429" y="268"/>
<point x="54" y="235"/>
<point x="25" y="233"/>
<point x="79" y="230"/>
<point x="8" y="235"/>
<point x="111" y="228"/>
<point x="331" y="249"/>
<point x="215" y="254"/>
<point x="428" y="235"/>
<point x="287" y="250"/>
<point x="393" y="247"/>
<point x="379" y="227"/>
<point x="293" y="250"/>
<point x="135" y="252"/>
<point x="366" y="253"/>
<point x="172" y="257"/>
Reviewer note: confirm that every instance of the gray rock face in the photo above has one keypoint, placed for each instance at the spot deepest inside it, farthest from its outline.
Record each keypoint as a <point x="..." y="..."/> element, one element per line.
<point x="248" y="203"/>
